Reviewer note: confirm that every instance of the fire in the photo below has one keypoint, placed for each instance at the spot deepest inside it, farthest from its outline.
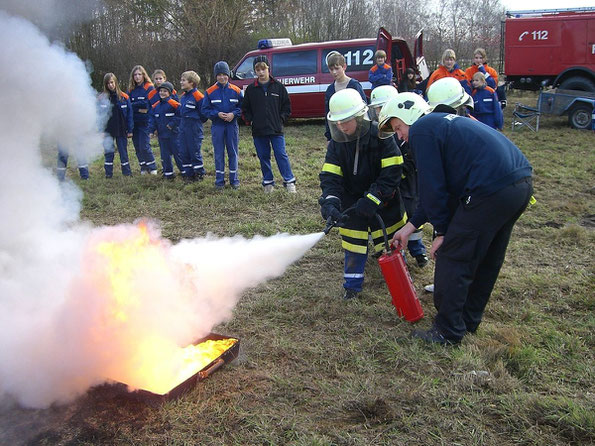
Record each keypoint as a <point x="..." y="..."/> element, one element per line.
<point x="123" y="268"/>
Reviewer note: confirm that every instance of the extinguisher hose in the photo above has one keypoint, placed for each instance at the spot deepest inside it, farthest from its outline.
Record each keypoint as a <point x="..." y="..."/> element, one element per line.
<point x="385" y="235"/>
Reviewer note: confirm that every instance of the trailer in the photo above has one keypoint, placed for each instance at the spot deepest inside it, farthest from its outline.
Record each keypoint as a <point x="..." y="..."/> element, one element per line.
<point x="578" y="105"/>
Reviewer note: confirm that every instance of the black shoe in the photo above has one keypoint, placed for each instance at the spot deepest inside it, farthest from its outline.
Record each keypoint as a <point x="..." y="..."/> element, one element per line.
<point x="350" y="294"/>
<point x="200" y="176"/>
<point x="219" y="188"/>
<point x="432" y="336"/>
<point x="108" y="176"/>
<point x="235" y="186"/>
<point x="422" y="260"/>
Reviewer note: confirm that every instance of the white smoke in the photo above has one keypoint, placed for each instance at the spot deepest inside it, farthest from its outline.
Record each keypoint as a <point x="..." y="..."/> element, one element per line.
<point x="58" y="334"/>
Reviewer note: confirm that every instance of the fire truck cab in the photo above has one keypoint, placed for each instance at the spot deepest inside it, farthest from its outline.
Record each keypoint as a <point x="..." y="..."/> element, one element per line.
<point x="302" y="68"/>
<point x="550" y="48"/>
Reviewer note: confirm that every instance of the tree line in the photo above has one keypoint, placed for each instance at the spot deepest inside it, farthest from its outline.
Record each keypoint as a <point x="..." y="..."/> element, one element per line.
<point x="180" y="35"/>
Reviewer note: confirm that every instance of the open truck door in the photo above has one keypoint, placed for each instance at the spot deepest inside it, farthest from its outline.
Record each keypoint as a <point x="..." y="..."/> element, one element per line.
<point x="384" y="42"/>
<point x="418" y="55"/>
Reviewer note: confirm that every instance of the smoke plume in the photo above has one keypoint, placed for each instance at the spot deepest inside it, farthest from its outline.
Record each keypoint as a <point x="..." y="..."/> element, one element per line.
<point x="77" y="303"/>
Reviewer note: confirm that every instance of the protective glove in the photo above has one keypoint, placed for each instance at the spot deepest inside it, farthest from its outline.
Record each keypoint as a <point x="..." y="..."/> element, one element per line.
<point x="367" y="206"/>
<point x="481" y="69"/>
<point x="330" y="207"/>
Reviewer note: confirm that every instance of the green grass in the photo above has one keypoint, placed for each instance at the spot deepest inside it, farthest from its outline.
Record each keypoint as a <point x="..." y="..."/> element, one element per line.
<point x="315" y="370"/>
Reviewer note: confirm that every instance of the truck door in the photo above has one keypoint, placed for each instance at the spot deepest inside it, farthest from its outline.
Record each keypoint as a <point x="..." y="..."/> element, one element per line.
<point x="418" y="55"/>
<point x="383" y="42"/>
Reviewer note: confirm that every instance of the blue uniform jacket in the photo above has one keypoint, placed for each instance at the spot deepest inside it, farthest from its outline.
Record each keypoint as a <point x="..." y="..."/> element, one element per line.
<point x="457" y="159"/>
<point x="486" y="107"/>
<point x="222" y="98"/>
<point x="140" y="98"/>
<point x="165" y="118"/>
<point x="380" y="75"/>
<point x="353" y="83"/>
<point x="122" y="106"/>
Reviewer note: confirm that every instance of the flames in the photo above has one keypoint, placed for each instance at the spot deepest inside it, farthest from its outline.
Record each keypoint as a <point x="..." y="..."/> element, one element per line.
<point x="125" y="268"/>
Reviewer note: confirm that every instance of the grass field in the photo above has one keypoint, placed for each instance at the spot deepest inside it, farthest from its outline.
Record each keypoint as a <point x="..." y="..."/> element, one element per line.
<point x="315" y="370"/>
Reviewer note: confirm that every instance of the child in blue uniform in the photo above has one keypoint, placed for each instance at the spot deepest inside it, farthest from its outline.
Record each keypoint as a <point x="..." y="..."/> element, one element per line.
<point x="63" y="162"/>
<point x="191" y="132"/>
<point x="165" y="120"/>
<point x="486" y="107"/>
<point x="141" y="92"/>
<point x="381" y="73"/>
<point x="119" y="125"/>
<point x="222" y="105"/>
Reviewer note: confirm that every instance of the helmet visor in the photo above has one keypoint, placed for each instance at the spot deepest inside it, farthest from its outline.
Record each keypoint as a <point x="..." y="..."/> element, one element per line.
<point x="349" y="129"/>
<point x="374" y="111"/>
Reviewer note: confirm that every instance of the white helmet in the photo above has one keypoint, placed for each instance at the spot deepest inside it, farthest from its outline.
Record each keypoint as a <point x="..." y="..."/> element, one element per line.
<point x="380" y="96"/>
<point x="448" y="91"/>
<point x="408" y="107"/>
<point x="345" y="106"/>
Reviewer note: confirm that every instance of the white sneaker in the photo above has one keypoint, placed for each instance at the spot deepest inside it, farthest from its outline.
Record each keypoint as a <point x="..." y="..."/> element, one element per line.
<point x="290" y="187"/>
<point x="429" y="288"/>
<point x="268" y="188"/>
<point x="153" y="172"/>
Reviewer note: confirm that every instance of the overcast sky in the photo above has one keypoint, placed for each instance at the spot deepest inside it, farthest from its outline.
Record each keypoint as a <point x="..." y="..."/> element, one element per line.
<point x="522" y="5"/>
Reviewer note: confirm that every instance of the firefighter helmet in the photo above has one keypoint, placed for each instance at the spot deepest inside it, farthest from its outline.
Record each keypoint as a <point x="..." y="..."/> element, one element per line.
<point x="380" y="96"/>
<point x="408" y="107"/>
<point x="347" y="116"/>
<point x="448" y="91"/>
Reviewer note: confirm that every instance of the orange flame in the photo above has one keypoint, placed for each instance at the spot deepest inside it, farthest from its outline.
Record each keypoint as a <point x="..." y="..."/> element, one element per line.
<point x="156" y="364"/>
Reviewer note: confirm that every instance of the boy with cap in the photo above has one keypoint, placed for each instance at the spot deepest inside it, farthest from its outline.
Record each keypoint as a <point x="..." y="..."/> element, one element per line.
<point x="221" y="105"/>
<point x="165" y="121"/>
<point x="266" y="107"/>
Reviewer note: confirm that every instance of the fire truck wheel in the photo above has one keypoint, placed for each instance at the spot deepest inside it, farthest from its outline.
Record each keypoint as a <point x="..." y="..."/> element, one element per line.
<point x="580" y="115"/>
<point x="578" y="83"/>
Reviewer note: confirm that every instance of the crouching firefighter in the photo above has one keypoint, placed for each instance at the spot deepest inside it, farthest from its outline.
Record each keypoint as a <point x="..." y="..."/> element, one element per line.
<point x="360" y="177"/>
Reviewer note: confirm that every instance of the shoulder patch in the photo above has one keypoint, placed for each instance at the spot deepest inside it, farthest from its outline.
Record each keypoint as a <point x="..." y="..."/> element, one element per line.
<point x="148" y="86"/>
<point x="155" y="105"/>
<point x="490" y="89"/>
<point x="198" y="95"/>
<point x="173" y="103"/>
<point x="386" y="66"/>
<point x="152" y="93"/>
<point x="125" y="96"/>
<point x="235" y="88"/>
<point x="212" y="88"/>
<point x="374" y="68"/>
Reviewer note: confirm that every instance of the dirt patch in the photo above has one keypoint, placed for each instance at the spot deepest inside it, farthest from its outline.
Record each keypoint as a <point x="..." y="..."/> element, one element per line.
<point x="588" y="221"/>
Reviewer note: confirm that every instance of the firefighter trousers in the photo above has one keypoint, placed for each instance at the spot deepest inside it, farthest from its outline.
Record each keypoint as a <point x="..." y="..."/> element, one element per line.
<point x="469" y="260"/>
<point x="142" y="147"/>
<point x="226" y="136"/>
<point x="109" y="151"/>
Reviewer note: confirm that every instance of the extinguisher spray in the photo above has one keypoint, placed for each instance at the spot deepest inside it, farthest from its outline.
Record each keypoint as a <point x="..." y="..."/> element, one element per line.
<point x="398" y="280"/>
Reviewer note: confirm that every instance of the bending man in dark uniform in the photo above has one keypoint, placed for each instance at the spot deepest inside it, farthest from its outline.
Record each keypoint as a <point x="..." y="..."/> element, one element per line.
<point x="474" y="184"/>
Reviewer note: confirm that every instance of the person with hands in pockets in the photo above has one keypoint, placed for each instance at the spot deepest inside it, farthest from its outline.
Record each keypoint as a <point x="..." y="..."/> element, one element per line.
<point x="165" y="122"/>
<point x="360" y="177"/>
<point x="474" y="184"/>
<point x="266" y="107"/>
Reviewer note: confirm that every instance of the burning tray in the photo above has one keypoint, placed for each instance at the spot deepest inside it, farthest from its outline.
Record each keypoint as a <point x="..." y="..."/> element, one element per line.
<point x="232" y="348"/>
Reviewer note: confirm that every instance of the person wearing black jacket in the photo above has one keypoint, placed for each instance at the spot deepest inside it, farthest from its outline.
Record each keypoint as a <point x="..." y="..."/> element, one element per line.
<point x="266" y="107"/>
<point x="360" y="177"/>
<point x="474" y="184"/>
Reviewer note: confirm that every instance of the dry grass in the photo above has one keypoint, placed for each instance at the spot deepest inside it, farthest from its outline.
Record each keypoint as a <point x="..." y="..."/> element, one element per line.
<point x="315" y="370"/>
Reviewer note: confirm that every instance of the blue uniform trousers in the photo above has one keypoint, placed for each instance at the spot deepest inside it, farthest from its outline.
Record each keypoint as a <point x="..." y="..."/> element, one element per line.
<point x="190" y="142"/>
<point x="263" y="146"/>
<point x="167" y="148"/>
<point x="142" y="147"/>
<point x="109" y="152"/>
<point x="226" y="136"/>
<point x="63" y="162"/>
<point x="353" y="274"/>
<point x="469" y="260"/>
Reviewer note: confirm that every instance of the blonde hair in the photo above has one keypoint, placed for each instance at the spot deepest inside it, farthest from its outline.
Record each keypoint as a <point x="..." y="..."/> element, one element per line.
<point x="146" y="78"/>
<point x="260" y="65"/>
<point x="379" y="53"/>
<point x="108" y="77"/>
<point x="479" y="75"/>
<point x="449" y="53"/>
<point x="191" y="76"/>
<point x="159" y="71"/>
<point x="481" y="52"/>
<point x="335" y="58"/>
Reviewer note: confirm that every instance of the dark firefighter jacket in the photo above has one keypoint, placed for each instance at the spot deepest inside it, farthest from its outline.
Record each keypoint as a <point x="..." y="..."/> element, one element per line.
<point x="377" y="171"/>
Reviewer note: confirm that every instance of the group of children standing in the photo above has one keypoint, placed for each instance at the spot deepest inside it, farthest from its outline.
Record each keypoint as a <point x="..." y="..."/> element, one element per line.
<point x="154" y="108"/>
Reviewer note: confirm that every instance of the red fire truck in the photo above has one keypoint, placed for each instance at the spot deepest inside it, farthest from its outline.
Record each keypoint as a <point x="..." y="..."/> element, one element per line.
<point x="550" y="48"/>
<point x="302" y="68"/>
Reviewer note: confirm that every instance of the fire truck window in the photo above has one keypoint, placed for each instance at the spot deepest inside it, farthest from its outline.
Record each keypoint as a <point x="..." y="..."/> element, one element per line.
<point x="297" y="62"/>
<point x="357" y="58"/>
<point x="245" y="70"/>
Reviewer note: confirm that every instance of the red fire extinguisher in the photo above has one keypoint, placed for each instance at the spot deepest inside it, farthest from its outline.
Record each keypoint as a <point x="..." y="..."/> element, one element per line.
<point x="399" y="282"/>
